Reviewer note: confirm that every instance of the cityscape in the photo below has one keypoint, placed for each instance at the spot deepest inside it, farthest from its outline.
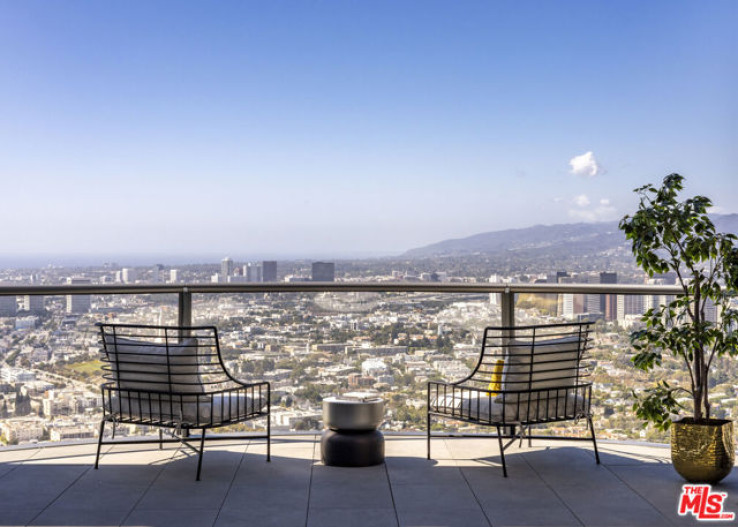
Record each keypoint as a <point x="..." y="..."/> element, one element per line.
<point x="314" y="345"/>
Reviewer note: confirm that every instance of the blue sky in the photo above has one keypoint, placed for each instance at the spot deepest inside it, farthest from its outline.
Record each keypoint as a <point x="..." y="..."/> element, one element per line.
<point x="336" y="128"/>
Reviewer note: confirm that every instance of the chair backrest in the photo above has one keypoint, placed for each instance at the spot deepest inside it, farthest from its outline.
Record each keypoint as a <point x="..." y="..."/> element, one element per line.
<point x="525" y="358"/>
<point x="163" y="359"/>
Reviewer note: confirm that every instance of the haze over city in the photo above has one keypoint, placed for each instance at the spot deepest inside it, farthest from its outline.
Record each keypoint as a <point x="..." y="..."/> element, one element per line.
<point x="332" y="128"/>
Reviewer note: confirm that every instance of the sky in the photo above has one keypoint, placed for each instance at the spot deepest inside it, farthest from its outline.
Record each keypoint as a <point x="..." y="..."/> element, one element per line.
<point x="342" y="128"/>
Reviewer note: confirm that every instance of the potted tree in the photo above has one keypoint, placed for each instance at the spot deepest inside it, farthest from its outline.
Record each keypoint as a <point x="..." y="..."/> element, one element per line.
<point x="697" y="327"/>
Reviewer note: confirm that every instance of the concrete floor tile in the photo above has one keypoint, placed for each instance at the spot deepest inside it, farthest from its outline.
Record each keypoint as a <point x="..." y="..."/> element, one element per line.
<point x="352" y="518"/>
<point x="433" y="497"/>
<point x="186" y="494"/>
<point x="284" y="516"/>
<point x="13" y="518"/>
<point x="356" y="495"/>
<point x="443" y="518"/>
<point x="172" y="518"/>
<point x="78" y="517"/>
<point x="32" y="487"/>
<point x="248" y="497"/>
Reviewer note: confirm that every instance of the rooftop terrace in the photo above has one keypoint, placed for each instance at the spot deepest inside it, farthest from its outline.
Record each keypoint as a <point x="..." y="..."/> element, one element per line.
<point x="549" y="484"/>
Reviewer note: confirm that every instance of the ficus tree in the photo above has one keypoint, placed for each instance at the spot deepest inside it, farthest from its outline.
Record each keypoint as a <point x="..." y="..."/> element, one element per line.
<point x="669" y="235"/>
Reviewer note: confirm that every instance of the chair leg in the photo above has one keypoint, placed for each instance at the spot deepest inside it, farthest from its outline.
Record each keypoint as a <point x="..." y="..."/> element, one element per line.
<point x="161" y="437"/>
<point x="428" y="430"/>
<point x="594" y="440"/>
<point x="199" y="457"/>
<point x="99" y="442"/>
<point x="502" y="452"/>
<point x="115" y="426"/>
<point x="269" y="438"/>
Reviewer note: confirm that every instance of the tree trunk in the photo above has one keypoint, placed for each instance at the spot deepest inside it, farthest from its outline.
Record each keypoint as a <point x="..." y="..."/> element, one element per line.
<point x="697" y="395"/>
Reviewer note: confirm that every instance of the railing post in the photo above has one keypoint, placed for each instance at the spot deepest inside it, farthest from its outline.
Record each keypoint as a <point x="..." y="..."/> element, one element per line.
<point x="185" y="308"/>
<point x="508" y="307"/>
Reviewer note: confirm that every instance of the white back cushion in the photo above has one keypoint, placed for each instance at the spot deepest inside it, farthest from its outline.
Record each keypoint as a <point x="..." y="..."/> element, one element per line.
<point x="142" y="365"/>
<point x="549" y="363"/>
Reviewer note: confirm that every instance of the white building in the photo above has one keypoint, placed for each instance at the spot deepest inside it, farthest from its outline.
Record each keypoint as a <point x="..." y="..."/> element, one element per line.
<point x="22" y="430"/>
<point x="374" y="367"/>
<point x="128" y="275"/>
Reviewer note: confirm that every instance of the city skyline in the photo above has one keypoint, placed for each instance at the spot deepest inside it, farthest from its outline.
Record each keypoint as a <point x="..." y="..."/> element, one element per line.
<point x="325" y="130"/>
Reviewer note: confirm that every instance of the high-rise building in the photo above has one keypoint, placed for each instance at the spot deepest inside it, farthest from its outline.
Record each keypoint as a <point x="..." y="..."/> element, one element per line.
<point x="32" y="303"/>
<point x="78" y="304"/>
<point x="571" y="305"/>
<point x="156" y="272"/>
<point x="269" y="271"/>
<point x="252" y="272"/>
<point x="604" y="305"/>
<point x="226" y="269"/>
<point x="128" y="275"/>
<point x="8" y="306"/>
<point x="630" y="305"/>
<point x="323" y="272"/>
<point x="173" y="276"/>
<point x="609" y="303"/>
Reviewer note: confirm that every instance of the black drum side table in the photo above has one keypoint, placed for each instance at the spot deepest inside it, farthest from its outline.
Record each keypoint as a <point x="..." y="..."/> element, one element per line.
<point x="352" y="438"/>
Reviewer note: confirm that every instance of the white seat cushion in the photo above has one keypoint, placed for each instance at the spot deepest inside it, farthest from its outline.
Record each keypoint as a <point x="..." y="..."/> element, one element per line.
<point x="479" y="405"/>
<point x="186" y="409"/>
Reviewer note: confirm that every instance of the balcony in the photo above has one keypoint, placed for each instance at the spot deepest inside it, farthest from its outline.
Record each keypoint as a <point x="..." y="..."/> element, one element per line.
<point x="549" y="484"/>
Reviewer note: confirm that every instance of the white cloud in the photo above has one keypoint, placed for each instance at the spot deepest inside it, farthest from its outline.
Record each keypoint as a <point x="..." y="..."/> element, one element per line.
<point x="603" y="211"/>
<point x="585" y="165"/>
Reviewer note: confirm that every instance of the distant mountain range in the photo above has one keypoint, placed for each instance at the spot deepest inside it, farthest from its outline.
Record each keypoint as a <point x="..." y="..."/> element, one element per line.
<point x="569" y="238"/>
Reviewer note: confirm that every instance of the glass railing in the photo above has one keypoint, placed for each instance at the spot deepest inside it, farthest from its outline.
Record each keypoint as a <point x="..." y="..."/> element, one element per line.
<point x="311" y="340"/>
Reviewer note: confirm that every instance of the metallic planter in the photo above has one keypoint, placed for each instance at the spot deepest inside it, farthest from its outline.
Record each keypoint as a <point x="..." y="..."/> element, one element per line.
<point x="704" y="452"/>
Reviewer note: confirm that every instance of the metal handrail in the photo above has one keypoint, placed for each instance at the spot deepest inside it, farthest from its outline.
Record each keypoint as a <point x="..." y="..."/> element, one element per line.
<point x="346" y="287"/>
<point x="185" y="291"/>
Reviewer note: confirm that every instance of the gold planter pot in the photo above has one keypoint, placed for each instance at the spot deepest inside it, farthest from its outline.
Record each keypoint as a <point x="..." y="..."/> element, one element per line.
<point x="702" y="452"/>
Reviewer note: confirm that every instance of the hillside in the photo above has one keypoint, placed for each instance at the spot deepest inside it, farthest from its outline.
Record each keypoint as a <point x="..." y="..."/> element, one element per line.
<point x="570" y="238"/>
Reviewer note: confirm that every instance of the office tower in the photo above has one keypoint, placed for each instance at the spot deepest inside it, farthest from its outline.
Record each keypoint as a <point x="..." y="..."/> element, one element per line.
<point x="711" y="312"/>
<point x="155" y="273"/>
<point x="8" y="306"/>
<point x="571" y="305"/>
<point x="253" y="272"/>
<point x="630" y="305"/>
<point x="609" y="303"/>
<point x="604" y="305"/>
<point x="324" y="272"/>
<point x="657" y="301"/>
<point x="32" y="303"/>
<point x="173" y="276"/>
<point x="269" y="271"/>
<point x="226" y="269"/>
<point x="78" y="304"/>
<point x="128" y="275"/>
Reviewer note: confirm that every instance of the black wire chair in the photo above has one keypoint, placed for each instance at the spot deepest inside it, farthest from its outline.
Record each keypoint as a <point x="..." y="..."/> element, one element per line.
<point x="174" y="378"/>
<point x="525" y="376"/>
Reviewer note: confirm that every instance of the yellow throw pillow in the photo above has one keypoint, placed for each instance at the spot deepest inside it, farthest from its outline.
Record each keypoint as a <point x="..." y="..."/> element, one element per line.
<point x="495" y="384"/>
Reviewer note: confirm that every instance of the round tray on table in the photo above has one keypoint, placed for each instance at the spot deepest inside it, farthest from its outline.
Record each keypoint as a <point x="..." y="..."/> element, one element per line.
<point x="352" y="438"/>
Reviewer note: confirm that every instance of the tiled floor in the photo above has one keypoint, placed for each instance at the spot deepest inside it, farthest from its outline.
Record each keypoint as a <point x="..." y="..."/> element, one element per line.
<point x="549" y="484"/>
